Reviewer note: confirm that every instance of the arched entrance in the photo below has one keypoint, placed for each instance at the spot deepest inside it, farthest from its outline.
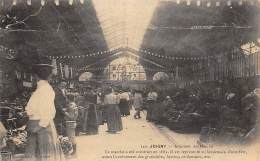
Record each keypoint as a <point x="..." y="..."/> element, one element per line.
<point x="159" y="76"/>
<point x="85" y="76"/>
<point x="125" y="68"/>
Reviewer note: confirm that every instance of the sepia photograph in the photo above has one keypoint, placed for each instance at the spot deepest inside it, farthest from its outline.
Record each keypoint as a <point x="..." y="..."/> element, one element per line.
<point x="129" y="80"/>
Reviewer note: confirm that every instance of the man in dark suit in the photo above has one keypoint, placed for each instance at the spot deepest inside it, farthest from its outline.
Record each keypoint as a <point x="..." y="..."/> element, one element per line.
<point x="60" y="103"/>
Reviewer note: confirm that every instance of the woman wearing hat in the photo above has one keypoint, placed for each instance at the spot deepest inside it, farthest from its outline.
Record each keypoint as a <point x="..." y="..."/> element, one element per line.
<point x="42" y="135"/>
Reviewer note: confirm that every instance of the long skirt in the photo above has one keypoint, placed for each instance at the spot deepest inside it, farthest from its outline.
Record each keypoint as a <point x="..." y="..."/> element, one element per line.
<point x="157" y="112"/>
<point x="79" y="126"/>
<point x="99" y="114"/>
<point x="114" y="121"/>
<point x="150" y="108"/>
<point x="70" y="130"/>
<point x="60" y="126"/>
<point x="90" y="122"/>
<point x="124" y="107"/>
<point x="104" y="114"/>
<point x="43" y="145"/>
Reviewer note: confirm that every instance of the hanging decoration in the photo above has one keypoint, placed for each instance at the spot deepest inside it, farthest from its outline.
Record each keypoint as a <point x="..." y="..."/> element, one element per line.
<point x="61" y="71"/>
<point x="71" y="72"/>
<point x="66" y="71"/>
<point x="168" y="57"/>
<point x="198" y="3"/>
<point x="87" y="55"/>
<point x="211" y="27"/>
<point x="55" y="68"/>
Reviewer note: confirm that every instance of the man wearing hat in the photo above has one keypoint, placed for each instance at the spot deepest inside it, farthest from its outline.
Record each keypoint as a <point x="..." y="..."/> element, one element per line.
<point x="42" y="142"/>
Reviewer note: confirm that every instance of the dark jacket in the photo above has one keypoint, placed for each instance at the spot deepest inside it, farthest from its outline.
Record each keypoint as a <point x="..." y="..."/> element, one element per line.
<point x="60" y="102"/>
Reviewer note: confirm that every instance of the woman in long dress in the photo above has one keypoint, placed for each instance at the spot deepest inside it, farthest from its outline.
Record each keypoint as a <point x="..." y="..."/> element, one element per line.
<point x="113" y="116"/>
<point x="138" y="102"/>
<point x="43" y="142"/>
<point x="100" y="107"/>
<point x="90" y="122"/>
<point x="151" y="100"/>
<point x="124" y="104"/>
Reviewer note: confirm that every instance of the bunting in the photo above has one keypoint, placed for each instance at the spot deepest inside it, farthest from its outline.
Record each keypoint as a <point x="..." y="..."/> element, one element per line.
<point x="198" y="3"/>
<point x="94" y="54"/>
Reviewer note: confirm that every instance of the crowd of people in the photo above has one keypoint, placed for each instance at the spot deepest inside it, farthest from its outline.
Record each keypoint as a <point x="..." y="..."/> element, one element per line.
<point x="217" y="110"/>
<point x="56" y="110"/>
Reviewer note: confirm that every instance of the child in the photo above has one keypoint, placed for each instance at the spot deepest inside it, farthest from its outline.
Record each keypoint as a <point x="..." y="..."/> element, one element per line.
<point x="71" y="115"/>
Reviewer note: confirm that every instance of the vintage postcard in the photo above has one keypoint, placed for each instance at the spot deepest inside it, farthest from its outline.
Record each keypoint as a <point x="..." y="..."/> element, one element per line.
<point x="129" y="80"/>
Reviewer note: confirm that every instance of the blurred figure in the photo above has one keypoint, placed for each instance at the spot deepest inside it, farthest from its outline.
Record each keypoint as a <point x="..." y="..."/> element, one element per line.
<point x="151" y="100"/>
<point x="90" y="120"/>
<point x="124" y="103"/>
<point x="100" y="102"/>
<point x="168" y="104"/>
<point x="137" y="103"/>
<point x="114" y="121"/>
<point x="71" y="115"/>
<point x="60" y="103"/>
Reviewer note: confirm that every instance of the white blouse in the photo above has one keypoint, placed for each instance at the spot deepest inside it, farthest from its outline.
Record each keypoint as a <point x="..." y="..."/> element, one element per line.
<point x="41" y="104"/>
<point x="111" y="99"/>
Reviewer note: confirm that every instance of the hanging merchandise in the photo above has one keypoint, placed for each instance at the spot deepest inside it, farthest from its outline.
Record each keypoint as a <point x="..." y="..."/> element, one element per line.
<point x="198" y="3"/>
<point x="66" y="71"/>
<point x="70" y="2"/>
<point x="208" y="4"/>
<point x="14" y="2"/>
<point x="71" y="72"/>
<point x="61" y="71"/>
<point x="55" y="68"/>
<point x="177" y="73"/>
<point x="29" y="2"/>
<point x="42" y="2"/>
<point x="57" y="2"/>
<point x="18" y="75"/>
